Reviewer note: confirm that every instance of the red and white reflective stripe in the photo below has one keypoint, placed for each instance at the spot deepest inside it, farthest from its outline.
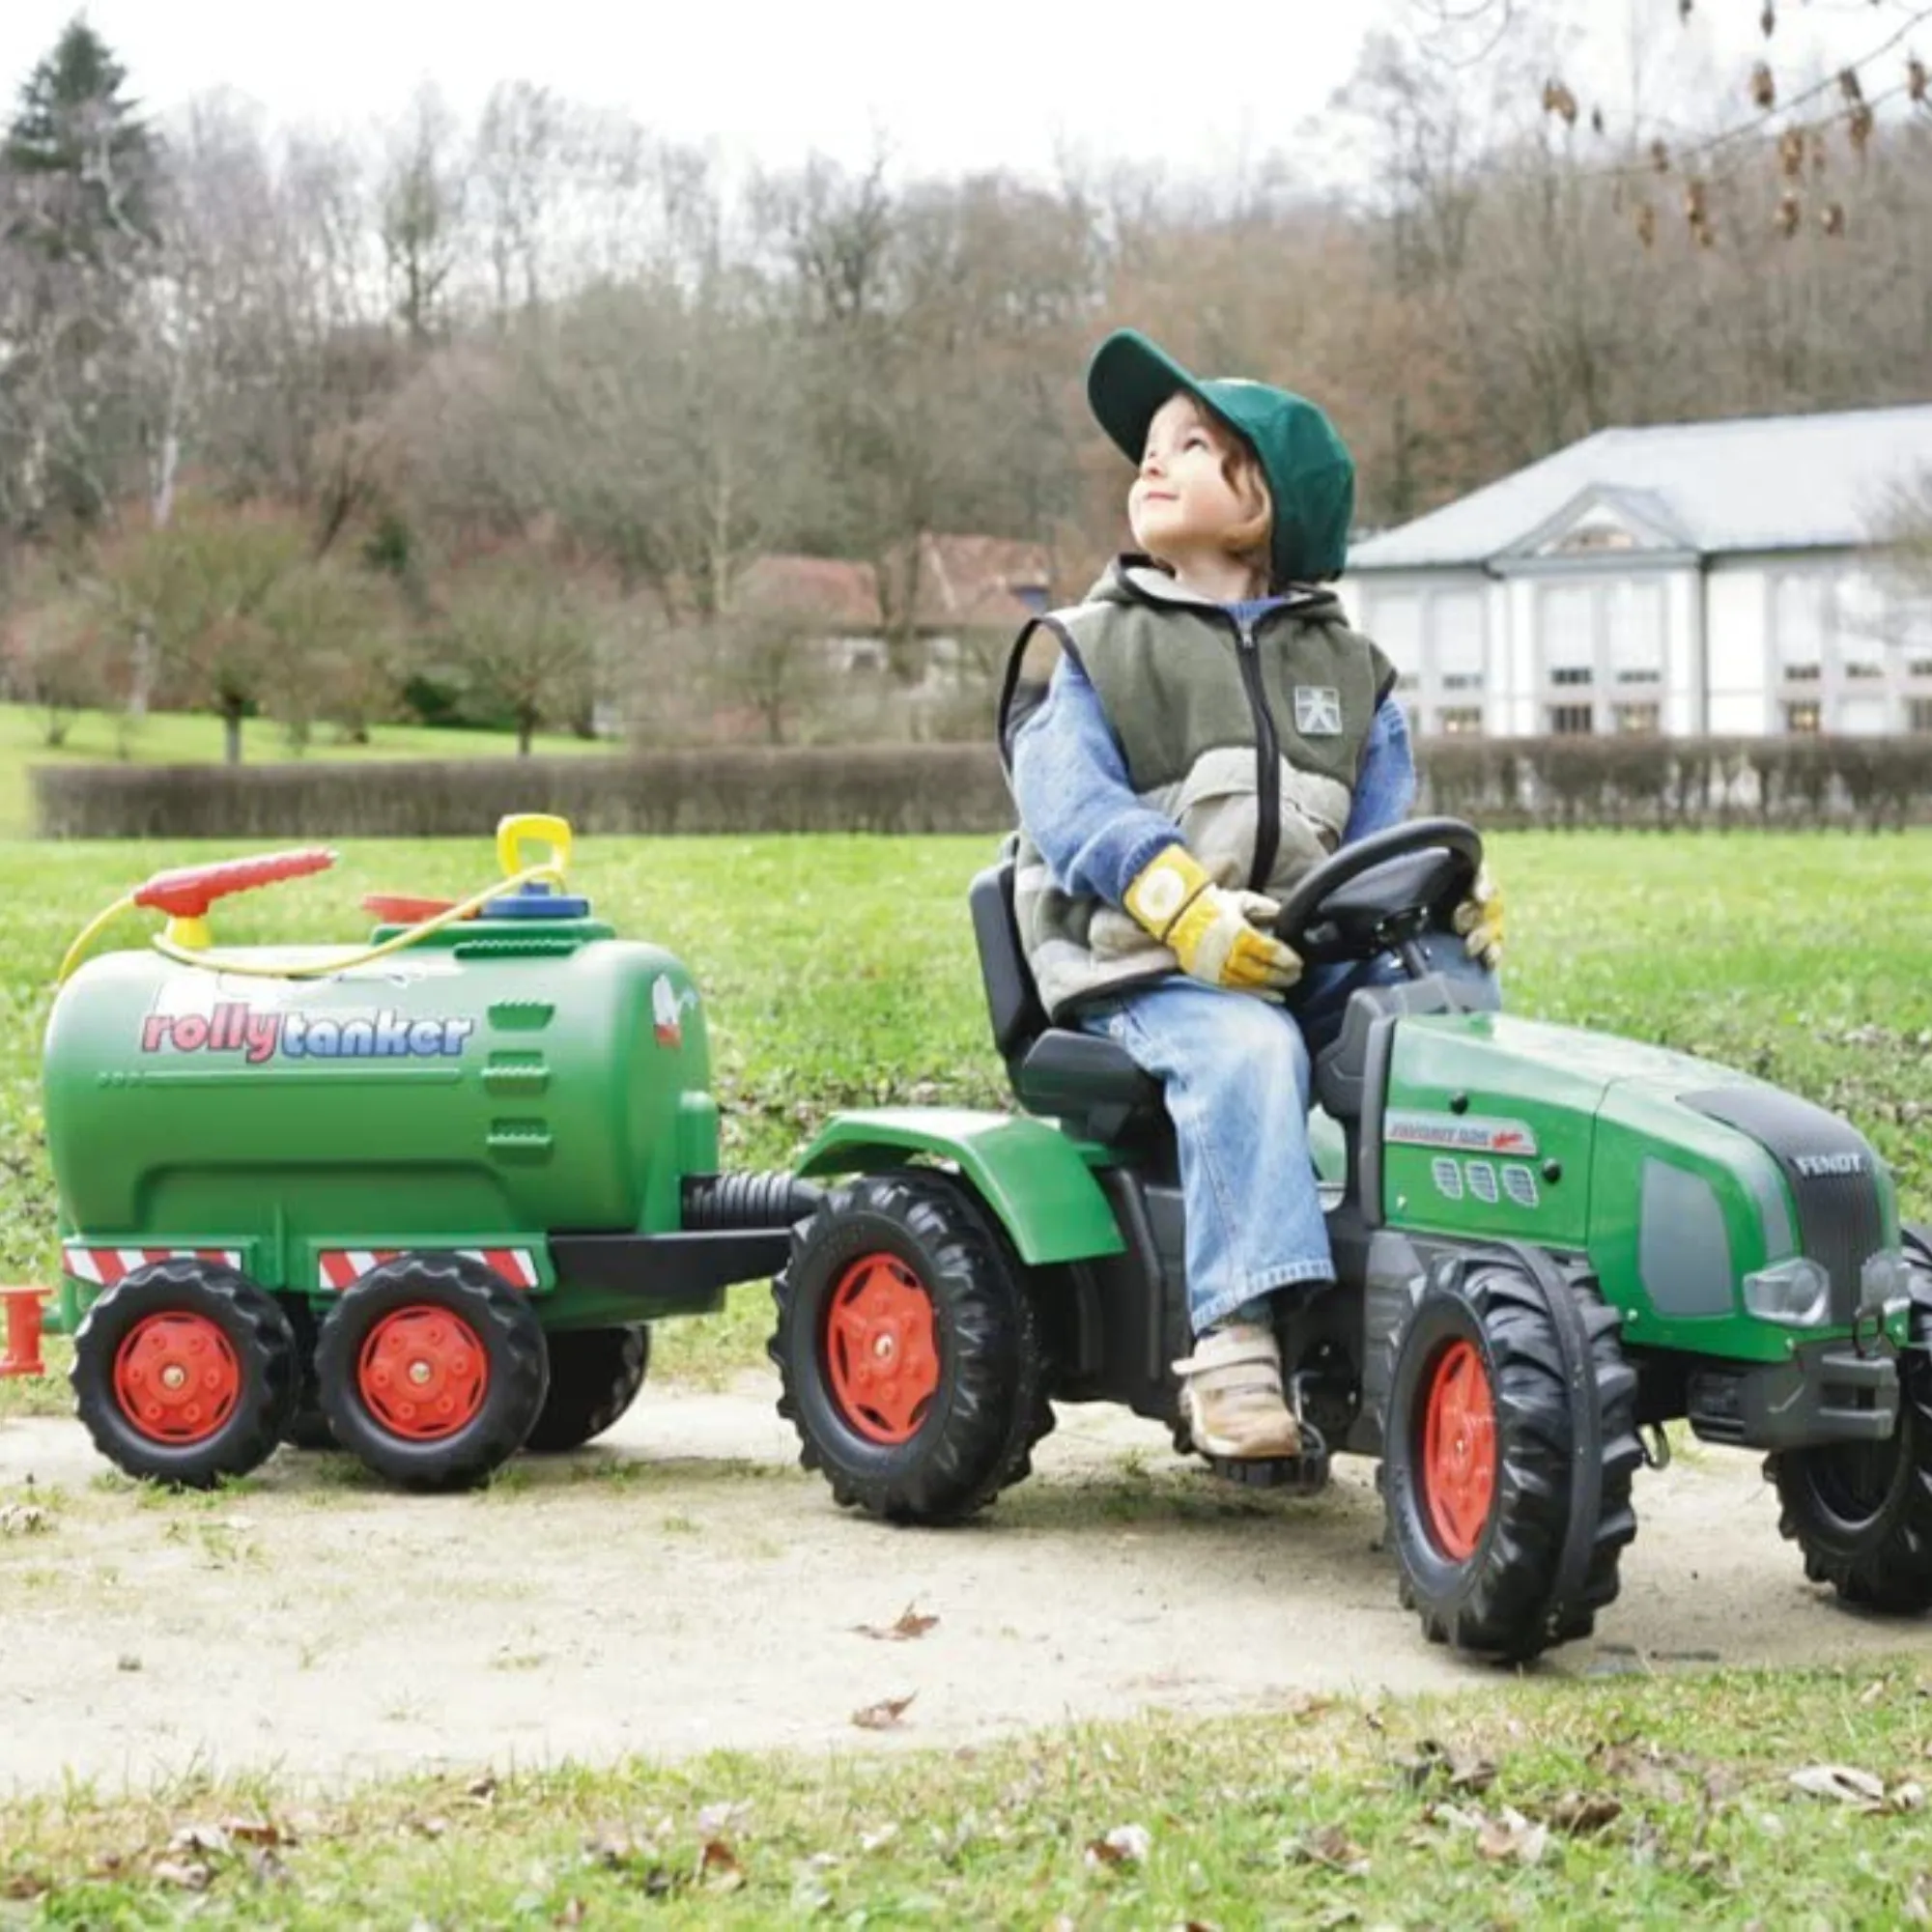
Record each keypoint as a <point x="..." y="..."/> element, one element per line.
<point x="343" y="1267"/>
<point x="107" y="1265"/>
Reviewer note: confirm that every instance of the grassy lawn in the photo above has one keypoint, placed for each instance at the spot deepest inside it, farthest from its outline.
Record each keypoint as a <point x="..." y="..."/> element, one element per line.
<point x="1740" y="1799"/>
<point x="170" y="738"/>
<point x="841" y="970"/>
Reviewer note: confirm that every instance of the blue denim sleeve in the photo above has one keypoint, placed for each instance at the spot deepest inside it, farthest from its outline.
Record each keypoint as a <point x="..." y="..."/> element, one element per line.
<point x="1076" y="801"/>
<point x="1386" y="789"/>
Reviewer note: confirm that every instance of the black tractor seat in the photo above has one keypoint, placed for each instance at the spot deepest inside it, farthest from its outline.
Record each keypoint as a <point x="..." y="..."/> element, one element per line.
<point x="1087" y="1082"/>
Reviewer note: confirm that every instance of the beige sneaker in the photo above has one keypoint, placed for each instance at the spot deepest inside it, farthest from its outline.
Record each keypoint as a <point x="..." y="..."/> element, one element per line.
<point x="1231" y="1395"/>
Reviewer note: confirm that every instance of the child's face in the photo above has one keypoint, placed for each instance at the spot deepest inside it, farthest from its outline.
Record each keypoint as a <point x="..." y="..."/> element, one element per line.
<point x="1181" y="502"/>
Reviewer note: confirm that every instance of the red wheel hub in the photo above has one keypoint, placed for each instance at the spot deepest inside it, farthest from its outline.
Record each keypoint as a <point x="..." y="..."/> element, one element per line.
<point x="177" y="1377"/>
<point x="423" y="1372"/>
<point x="880" y="1352"/>
<point x="1458" y="1451"/>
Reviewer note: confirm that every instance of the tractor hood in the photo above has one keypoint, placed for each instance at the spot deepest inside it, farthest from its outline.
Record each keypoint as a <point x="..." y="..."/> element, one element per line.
<point x="1679" y="1178"/>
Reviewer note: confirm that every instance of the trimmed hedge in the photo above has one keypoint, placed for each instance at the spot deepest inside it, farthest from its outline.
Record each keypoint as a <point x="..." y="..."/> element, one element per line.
<point x="1662" y="784"/>
<point x="729" y="789"/>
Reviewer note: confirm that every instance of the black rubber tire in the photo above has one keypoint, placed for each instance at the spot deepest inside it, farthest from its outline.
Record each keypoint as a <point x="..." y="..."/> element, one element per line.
<point x="265" y="1353"/>
<point x="1495" y="1602"/>
<point x="595" y="1374"/>
<point x="989" y="1407"/>
<point x="308" y="1427"/>
<point x="1862" y="1513"/>
<point x="513" y="1344"/>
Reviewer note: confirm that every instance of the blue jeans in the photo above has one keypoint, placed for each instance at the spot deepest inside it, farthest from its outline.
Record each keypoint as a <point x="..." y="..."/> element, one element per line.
<point x="1237" y="1074"/>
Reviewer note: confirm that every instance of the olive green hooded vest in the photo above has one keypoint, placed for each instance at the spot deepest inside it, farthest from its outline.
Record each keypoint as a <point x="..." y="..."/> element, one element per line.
<point x="1251" y="741"/>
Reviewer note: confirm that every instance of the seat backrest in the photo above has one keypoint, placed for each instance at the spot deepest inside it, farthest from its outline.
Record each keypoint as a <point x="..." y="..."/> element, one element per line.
<point x="1012" y="1000"/>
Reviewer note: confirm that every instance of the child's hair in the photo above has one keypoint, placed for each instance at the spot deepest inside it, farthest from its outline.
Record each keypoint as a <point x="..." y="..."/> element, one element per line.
<point x="1248" y="541"/>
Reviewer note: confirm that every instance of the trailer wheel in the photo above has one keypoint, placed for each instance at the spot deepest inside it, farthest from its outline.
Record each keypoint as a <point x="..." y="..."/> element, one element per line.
<point x="432" y="1370"/>
<point x="595" y="1374"/>
<point x="908" y="1349"/>
<point x="1861" y="1511"/>
<point x="1479" y="1442"/>
<point x="185" y="1371"/>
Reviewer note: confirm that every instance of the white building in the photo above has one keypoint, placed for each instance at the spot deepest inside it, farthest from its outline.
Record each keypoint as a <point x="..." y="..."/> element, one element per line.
<point x="1692" y="578"/>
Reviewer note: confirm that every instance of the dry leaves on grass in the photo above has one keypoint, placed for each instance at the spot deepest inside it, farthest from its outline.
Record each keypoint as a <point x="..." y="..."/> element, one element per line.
<point x="1507" y="1837"/>
<point x="883" y="1716"/>
<point x="911" y="1624"/>
<point x="1332" y="1847"/>
<point x="717" y="1866"/>
<point x="1861" y="1790"/>
<point x="1123" y="1845"/>
<point x="1465" y="1772"/>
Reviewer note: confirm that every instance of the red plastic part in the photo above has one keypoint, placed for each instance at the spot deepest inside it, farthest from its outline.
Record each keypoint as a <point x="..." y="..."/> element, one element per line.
<point x="1458" y="1451"/>
<point x="189" y="891"/>
<point x="423" y="1372"/>
<point x="399" y="909"/>
<point x="23" y="1354"/>
<point x="176" y="1379"/>
<point x="880" y="1352"/>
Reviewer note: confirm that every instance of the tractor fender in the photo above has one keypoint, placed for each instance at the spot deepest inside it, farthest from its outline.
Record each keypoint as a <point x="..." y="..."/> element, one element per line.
<point x="1033" y="1179"/>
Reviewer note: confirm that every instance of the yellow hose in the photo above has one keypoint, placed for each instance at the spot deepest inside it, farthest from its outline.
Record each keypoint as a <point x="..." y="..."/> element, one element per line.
<point x="550" y="873"/>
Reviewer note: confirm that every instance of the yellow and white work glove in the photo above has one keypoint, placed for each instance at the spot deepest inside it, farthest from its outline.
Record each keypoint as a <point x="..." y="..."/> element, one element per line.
<point x="1215" y="932"/>
<point x="1478" y="919"/>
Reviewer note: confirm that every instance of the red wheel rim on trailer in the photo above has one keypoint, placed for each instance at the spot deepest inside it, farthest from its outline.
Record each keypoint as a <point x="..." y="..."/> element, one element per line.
<point x="1458" y="1451"/>
<point x="423" y="1372"/>
<point x="881" y="1355"/>
<point x="177" y="1377"/>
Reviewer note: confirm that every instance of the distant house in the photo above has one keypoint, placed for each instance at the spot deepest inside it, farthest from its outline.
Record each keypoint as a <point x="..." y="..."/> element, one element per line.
<point x="971" y="592"/>
<point x="1689" y="578"/>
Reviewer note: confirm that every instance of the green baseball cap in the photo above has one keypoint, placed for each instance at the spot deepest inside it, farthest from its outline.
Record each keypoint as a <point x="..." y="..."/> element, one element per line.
<point x="1310" y="473"/>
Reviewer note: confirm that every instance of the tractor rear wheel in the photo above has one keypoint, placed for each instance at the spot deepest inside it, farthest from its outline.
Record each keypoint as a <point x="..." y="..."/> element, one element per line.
<point x="908" y="1349"/>
<point x="595" y="1374"/>
<point x="185" y="1371"/>
<point x="432" y="1369"/>
<point x="1479" y="1442"/>
<point x="1861" y="1511"/>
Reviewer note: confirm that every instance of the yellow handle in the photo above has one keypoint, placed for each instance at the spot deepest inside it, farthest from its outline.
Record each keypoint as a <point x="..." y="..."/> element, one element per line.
<point x="517" y="826"/>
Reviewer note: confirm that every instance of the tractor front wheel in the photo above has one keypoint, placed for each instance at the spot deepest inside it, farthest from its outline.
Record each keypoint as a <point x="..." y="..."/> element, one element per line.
<point x="908" y="1349"/>
<point x="432" y="1369"/>
<point x="595" y="1374"/>
<point x="1861" y="1511"/>
<point x="1477" y="1477"/>
<point x="185" y="1371"/>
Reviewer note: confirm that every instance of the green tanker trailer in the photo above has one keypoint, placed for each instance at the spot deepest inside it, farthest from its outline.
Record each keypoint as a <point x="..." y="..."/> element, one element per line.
<point x="423" y="1199"/>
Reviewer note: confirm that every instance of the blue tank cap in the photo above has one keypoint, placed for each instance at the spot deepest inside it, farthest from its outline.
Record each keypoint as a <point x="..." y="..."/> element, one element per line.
<point x="536" y="901"/>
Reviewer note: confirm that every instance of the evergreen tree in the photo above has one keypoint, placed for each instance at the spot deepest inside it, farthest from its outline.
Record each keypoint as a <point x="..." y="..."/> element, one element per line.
<point x="83" y="160"/>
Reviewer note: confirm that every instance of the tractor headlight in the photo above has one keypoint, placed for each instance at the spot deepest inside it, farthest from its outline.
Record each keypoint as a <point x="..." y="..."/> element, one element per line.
<point x="1796" y="1292"/>
<point x="1883" y="1280"/>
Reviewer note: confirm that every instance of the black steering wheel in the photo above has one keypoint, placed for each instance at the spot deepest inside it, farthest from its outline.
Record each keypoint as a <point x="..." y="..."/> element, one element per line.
<point x="1383" y="891"/>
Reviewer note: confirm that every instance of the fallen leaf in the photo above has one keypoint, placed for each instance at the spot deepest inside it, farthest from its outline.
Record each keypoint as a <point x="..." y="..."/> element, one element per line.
<point x="1331" y="1846"/>
<point x="189" y="1874"/>
<point x="24" y="1520"/>
<point x="1512" y="1835"/>
<point x="24" y="1884"/>
<point x="715" y="1819"/>
<point x="572" y="1912"/>
<point x="909" y="1626"/>
<point x="1123" y="1845"/>
<point x="1582" y="1814"/>
<point x="1841" y="1784"/>
<point x="874" y="1841"/>
<point x="717" y="1866"/>
<point x="481" y="1790"/>
<point x="1907" y="1797"/>
<point x="209" y="1838"/>
<point x="884" y="1714"/>
<point x="256" y="1831"/>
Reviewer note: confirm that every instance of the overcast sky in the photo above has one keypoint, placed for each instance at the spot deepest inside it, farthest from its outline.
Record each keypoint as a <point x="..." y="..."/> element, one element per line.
<point x="1193" y="84"/>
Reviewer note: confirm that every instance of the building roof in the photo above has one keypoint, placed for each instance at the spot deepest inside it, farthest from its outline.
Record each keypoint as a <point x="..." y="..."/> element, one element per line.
<point x="964" y="583"/>
<point x="1759" y="483"/>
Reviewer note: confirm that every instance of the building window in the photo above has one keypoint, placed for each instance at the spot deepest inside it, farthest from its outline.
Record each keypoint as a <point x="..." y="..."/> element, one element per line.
<point x="1462" y="680"/>
<point x="1918" y="714"/>
<point x="1920" y="668"/>
<point x="1460" y="721"/>
<point x="1407" y="681"/>
<point x="1571" y="674"/>
<point x="1639" y="719"/>
<point x="1855" y="669"/>
<point x="1802" y="719"/>
<point x="1571" y="721"/>
<point x="1640" y="677"/>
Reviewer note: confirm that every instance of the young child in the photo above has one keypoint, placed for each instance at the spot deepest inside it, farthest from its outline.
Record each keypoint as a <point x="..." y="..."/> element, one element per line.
<point x="1185" y="747"/>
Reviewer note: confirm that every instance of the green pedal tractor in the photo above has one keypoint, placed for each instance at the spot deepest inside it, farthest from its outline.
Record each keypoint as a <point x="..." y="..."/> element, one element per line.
<point x="422" y="1200"/>
<point x="1548" y="1244"/>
